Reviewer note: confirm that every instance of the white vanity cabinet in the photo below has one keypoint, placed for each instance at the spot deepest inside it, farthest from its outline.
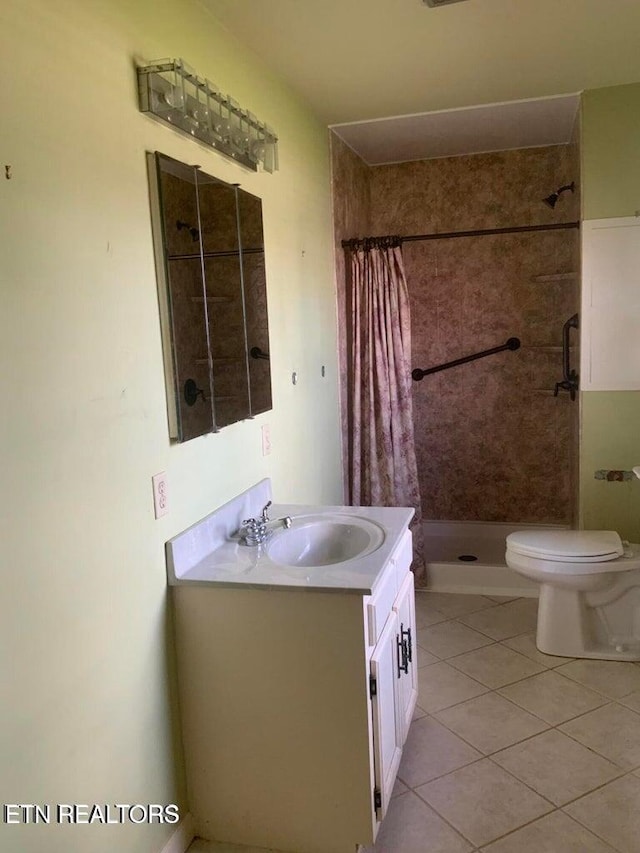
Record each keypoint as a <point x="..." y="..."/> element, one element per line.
<point x="295" y="705"/>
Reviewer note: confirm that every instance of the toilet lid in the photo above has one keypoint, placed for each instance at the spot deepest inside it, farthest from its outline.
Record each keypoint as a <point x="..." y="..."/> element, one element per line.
<point x="567" y="546"/>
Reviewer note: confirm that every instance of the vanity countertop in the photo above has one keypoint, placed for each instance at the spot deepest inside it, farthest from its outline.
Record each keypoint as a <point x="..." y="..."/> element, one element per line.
<point x="200" y="556"/>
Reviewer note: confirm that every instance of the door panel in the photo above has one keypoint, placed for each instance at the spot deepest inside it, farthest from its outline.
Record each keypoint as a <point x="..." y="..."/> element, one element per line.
<point x="408" y="683"/>
<point x="387" y="750"/>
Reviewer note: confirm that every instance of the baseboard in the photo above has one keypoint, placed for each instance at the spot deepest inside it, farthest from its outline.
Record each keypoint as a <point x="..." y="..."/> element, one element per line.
<point x="182" y="837"/>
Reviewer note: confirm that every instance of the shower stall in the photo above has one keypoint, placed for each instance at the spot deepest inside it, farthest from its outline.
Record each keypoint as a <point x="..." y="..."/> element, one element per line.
<point x="490" y="261"/>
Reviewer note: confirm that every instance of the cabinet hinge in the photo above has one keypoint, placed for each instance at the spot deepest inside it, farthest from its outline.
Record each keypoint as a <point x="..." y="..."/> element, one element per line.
<point x="377" y="799"/>
<point x="373" y="686"/>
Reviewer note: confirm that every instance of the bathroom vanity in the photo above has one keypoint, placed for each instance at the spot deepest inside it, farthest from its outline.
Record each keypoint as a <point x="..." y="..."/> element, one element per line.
<point x="297" y="681"/>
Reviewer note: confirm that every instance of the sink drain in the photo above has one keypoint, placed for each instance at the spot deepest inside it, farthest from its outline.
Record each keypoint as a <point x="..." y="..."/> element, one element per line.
<point x="467" y="558"/>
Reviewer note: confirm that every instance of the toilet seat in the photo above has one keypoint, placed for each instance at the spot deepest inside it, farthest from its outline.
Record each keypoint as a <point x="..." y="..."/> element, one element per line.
<point x="566" y="546"/>
<point x="552" y="566"/>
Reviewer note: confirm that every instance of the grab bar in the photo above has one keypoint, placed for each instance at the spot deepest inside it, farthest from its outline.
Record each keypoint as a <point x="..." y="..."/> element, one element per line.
<point x="570" y="380"/>
<point x="511" y="344"/>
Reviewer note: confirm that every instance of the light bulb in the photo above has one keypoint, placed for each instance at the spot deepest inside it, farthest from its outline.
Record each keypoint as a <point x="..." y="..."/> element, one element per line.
<point x="175" y="97"/>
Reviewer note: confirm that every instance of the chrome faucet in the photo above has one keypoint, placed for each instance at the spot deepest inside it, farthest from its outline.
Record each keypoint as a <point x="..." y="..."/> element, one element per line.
<point x="255" y="531"/>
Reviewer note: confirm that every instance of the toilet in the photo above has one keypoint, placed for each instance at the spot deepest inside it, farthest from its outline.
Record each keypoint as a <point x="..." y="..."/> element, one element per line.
<point x="589" y="604"/>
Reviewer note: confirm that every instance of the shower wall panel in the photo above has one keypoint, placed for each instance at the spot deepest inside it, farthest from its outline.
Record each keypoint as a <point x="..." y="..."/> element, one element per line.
<point x="492" y="441"/>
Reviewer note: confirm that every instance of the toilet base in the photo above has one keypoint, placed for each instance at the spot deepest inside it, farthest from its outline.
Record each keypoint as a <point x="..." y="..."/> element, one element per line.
<point x="567" y="627"/>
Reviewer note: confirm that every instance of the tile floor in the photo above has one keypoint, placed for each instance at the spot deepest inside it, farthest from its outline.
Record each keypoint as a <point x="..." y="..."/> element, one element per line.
<point x="511" y="751"/>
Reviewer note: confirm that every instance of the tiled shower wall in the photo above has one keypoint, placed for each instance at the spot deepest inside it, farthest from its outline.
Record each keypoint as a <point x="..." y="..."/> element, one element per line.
<point x="492" y="441"/>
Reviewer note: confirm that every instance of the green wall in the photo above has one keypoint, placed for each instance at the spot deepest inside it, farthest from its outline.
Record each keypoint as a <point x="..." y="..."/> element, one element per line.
<point x="610" y="420"/>
<point x="611" y="152"/>
<point x="87" y="710"/>
<point x="610" y="440"/>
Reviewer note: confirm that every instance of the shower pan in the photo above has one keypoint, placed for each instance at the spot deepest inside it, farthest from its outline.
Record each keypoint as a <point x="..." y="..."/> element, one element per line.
<point x="469" y="557"/>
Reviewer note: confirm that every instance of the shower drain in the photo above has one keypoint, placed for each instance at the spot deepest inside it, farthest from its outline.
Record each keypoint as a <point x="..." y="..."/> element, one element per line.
<point x="467" y="558"/>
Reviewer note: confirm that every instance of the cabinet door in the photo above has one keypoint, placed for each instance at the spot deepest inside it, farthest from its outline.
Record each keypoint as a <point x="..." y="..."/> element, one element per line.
<point x="182" y="297"/>
<point x="407" y="688"/>
<point x="210" y="264"/>
<point x="610" y="344"/>
<point x="387" y="749"/>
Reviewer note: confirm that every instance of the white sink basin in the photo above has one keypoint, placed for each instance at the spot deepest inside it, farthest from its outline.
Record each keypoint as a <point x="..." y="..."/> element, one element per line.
<point x="323" y="540"/>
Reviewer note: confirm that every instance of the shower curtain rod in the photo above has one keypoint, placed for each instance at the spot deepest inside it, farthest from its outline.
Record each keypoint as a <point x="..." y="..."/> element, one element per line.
<point x="480" y="232"/>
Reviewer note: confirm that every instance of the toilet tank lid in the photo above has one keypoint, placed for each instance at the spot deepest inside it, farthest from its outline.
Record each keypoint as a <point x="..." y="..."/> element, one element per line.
<point x="585" y="545"/>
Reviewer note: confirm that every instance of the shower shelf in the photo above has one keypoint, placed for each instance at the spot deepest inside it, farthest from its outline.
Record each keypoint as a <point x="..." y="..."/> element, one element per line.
<point x="544" y="347"/>
<point x="220" y="360"/>
<point x="213" y="298"/>
<point x="560" y="276"/>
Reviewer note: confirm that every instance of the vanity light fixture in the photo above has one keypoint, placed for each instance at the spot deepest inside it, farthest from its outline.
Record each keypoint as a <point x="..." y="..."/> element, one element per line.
<point x="171" y="91"/>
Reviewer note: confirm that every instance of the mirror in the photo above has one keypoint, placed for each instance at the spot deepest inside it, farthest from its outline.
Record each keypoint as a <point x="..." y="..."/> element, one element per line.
<point x="212" y="292"/>
<point x="255" y="283"/>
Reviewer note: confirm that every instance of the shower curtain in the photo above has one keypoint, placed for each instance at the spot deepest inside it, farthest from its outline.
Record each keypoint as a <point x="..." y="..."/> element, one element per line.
<point x="382" y="458"/>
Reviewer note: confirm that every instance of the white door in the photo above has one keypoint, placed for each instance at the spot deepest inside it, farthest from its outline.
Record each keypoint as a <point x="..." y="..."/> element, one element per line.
<point x="387" y="750"/>
<point x="407" y="688"/>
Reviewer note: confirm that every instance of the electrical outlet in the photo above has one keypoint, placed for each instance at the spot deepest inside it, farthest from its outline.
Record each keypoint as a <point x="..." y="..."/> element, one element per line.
<point x="266" y="440"/>
<point x="160" y="494"/>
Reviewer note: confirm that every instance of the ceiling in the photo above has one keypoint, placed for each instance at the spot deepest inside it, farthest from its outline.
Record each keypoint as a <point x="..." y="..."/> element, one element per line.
<point x="352" y="60"/>
<point x="493" y="127"/>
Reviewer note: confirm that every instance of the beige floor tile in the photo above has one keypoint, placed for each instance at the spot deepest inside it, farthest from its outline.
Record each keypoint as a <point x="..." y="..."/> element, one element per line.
<point x="426" y="613"/>
<point x="553" y="697"/>
<point x="553" y="833"/>
<point x="526" y="645"/>
<point x="490" y="722"/>
<point x="613" y="813"/>
<point x="632" y="701"/>
<point x="432" y="750"/>
<point x="483" y="802"/>
<point x="613" y="731"/>
<point x="440" y="686"/>
<point x="556" y="766"/>
<point x="495" y="665"/>
<point x="450" y="638"/>
<point x="407" y="825"/>
<point x="505" y="620"/>
<point x="201" y="846"/>
<point x="612" y="678"/>
<point x="418" y="713"/>
<point x="399" y="788"/>
<point x="425" y="658"/>
<point x="501" y="599"/>
<point x="452" y="604"/>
